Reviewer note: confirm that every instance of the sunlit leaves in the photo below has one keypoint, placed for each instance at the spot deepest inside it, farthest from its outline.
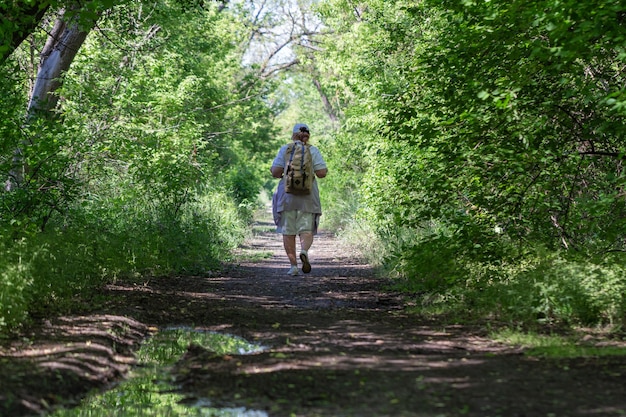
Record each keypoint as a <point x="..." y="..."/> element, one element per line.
<point x="486" y="116"/>
<point x="158" y="145"/>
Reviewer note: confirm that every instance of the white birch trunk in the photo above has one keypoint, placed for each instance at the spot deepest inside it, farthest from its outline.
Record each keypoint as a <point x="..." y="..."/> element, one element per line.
<point x="63" y="44"/>
<point x="57" y="55"/>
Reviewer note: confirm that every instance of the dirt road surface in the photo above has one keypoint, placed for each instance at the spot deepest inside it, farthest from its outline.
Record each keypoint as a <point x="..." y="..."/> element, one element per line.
<point x="338" y="343"/>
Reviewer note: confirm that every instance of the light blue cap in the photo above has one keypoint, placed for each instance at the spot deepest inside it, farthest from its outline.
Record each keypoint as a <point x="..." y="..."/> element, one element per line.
<point x="298" y="126"/>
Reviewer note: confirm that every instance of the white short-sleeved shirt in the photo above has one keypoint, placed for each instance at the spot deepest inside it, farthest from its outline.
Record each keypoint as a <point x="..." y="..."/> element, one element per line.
<point x="308" y="203"/>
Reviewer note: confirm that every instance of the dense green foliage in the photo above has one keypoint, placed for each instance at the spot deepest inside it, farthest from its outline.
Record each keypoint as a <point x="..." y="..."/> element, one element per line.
<point x="151" y="165"/>
<point x="476" y="148"/>
<point x="493" y="137"/>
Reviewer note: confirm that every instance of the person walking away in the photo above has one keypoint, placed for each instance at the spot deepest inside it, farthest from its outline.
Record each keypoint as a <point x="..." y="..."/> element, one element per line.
<point x="297" y="212"/>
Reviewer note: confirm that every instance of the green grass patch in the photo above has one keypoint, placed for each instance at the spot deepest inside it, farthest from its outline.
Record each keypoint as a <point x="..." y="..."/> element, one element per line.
<point x="556" y="346"/>
<point x="252" y="255"/>
<point x="262" y="228"/>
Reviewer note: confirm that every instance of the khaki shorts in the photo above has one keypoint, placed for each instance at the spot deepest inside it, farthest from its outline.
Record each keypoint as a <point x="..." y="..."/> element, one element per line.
<point x="294" y="222"/>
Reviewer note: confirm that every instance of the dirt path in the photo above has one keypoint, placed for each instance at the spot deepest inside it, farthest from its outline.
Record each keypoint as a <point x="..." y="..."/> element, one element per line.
<point x="337" y="343"/>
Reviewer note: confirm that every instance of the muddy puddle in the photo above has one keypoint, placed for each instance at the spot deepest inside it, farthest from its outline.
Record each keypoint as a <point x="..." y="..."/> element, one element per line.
<point x="149" y="390"/>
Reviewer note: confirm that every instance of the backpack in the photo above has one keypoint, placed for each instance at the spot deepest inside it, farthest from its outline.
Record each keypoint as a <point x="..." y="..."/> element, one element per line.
<point x="299" y="176"/>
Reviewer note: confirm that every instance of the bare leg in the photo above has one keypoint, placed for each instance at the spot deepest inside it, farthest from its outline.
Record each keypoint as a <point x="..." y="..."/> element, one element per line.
<point x="289" y="243"/>
<point x="306" y="240"/>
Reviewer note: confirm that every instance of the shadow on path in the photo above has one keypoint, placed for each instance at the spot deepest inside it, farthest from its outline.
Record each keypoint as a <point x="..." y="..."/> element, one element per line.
<point x="338" y="344"/>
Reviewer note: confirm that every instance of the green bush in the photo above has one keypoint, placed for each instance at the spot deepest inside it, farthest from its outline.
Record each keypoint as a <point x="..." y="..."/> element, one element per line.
<point x="547" y="288"/>
<point x="15" y="276"/>
<point x="579" y="292"/>
<point x="102" y="240"/>
<point x="446" y="272"/>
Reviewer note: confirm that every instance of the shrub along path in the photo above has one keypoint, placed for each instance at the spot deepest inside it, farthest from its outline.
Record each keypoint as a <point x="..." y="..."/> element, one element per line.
<point x="338" y="344"/>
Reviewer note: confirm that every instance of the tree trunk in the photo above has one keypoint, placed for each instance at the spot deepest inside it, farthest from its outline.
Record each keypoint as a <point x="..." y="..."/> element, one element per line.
<point x="330" y="111"/>
<point x="64" y="41"/>
<point x="57" y="55"/>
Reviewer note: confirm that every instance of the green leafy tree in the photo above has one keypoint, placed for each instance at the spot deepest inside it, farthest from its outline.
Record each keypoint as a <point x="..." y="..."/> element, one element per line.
<point x="148" y="161"/>
<point x="488" y="129"/>
<point x="20" y="18"/>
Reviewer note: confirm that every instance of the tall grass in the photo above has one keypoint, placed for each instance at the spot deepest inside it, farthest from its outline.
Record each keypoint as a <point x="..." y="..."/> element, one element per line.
<point x="445" y="275"/>
<point x="100" y="241"/>
<point x="15" y="278"/>
<point x="554" y="287"/>
<point x="537" y="287"/>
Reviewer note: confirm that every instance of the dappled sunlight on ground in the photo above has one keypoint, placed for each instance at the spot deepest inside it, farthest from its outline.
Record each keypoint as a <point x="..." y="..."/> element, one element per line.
<point x="336" y="342"/>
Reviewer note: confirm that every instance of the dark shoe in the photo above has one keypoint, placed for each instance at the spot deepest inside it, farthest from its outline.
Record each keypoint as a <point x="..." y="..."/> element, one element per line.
<point x="306" y="266"/>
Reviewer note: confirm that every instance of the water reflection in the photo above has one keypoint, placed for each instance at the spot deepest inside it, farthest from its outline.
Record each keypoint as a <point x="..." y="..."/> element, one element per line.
<point x="148" y="391"/>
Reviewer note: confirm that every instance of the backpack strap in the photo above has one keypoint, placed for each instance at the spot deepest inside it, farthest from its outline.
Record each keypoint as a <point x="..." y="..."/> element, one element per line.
<point x="293" y="151"/>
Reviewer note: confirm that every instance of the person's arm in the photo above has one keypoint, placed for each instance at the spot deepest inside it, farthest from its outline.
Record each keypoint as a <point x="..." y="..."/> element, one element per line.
<point x="319" y="166"/>
<point x="277" y="168"/>
<point x="277" y="172"/>
<point x="321" y="173"/>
